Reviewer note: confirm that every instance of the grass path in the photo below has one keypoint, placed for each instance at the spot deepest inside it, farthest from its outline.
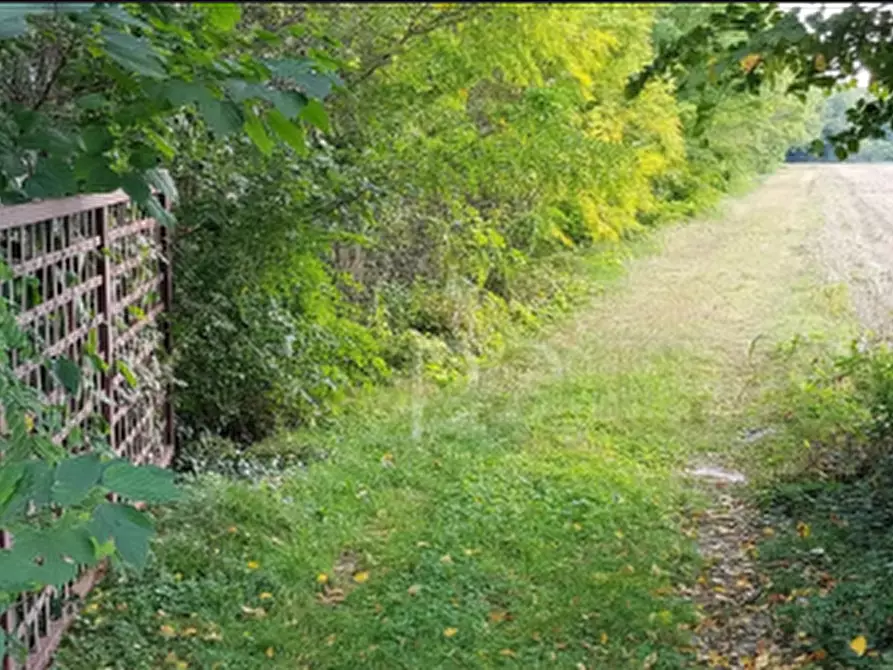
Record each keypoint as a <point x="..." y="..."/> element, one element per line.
<point x="531" y="518"/>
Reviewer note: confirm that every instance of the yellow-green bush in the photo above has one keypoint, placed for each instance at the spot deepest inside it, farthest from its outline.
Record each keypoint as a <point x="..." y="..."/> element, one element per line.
<point x="471" y="148"/>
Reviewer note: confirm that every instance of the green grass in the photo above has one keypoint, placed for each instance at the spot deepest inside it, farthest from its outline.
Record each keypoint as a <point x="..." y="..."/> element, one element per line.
<point x="534" y="511"/>
<point x="555" y="505"/>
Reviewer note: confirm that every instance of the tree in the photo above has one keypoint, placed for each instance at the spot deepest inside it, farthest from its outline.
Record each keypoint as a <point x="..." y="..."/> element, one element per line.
<point x="745" y="44"/>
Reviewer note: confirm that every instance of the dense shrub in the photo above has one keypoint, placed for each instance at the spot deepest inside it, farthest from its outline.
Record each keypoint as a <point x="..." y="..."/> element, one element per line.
<point x="471" y="146"/>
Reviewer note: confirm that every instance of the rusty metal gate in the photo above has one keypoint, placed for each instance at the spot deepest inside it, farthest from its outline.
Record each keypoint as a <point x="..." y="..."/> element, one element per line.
<point x="98" y="273"/>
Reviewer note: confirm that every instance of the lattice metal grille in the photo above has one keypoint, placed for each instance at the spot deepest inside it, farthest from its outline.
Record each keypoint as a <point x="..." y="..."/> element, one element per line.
<point x="89" y="269"/>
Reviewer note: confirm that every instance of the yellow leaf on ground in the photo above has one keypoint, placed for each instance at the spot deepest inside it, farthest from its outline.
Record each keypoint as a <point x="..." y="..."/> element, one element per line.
<point x="270" y="652"/>
<point x="803" y="529"/>
<point x="604" y="638"/>
<point x="361" y="577"/>
<point x="446" y="559"/>
<point x="266" y="595"/>
<point x="232" y="529"/>
<point x="322" y="578"/>
<point x="189" y="632"/>
<point x="497" y="616"/>
<point x="450" y="632"/>
<point x="859" y="645"/>
<point x="252" y="565"/>
<point x="167" y="631"/>
<point x="507" y="652"/>
<point x="414" y="589"/>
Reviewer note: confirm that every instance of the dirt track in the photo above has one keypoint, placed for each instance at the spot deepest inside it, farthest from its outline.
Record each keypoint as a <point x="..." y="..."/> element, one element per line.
<point x="855" y="245"/>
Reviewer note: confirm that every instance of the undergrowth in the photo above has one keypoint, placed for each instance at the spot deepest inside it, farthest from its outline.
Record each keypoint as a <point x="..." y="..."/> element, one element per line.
<point x="478" y="525"/>
<point x="831" y="508"/>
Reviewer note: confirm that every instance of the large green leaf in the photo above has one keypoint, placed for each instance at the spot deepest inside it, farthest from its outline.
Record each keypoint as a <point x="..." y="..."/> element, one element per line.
<point x="162" y="180"/>
<point x="254" y="128"/>
<point x="68" y="373"/>
<point x="134" y="184"/>
<point x="147" y="483"/>
<point x="10" y="475"/>
<point x="97" y="139"/>
<point x="223" y="15"/>
<point x="74" y="478"/>
<point x="315" y="114"/>
<point x="41" y="557"/>
<point x="302" y="73"/>
<point x="129" y="529"/>
<point x="53" y="178"/>
<point x="120" y="15"/>
<point x="179" y="92"/>
<point x="240" y="90"/>
<point x="290" y="103"/>
<point x="291" y="133"/>
<point x="160" y="214"/>
<point x="12" y="14"/>
<point x="133" y="54"/>
<point x="222" y="116"/>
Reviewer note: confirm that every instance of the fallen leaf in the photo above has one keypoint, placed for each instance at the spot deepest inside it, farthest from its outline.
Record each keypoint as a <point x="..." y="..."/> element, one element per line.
<point x="92" y="608"/>
<point x="414" y="589"/>
<point x="213" y="636"/>
<point x="270" y="652"/>
<point x="859" y="645"/>
<point x="266" y="595"/>
<point x="322" y="578"/>
<point x="450" y="632"/>
<point x="330" y="596"/>
<point x="497" y="616"/>
<point x="803" y="529"/>
<point x="361" y="577"/>
<point x="232" y="529"/>
<point x="189" y="632"/>
<point x="446" y="559"/>
<point x="256" y="612"/>
<point x="578" y="527"/>
<point x="330" y="640"/>
<point x="167" y="631"/>
<point x="422" y="544"/>
<point x="604" y="638"/>
<point x="252" y="565"/>
<point x="507" y="652"/>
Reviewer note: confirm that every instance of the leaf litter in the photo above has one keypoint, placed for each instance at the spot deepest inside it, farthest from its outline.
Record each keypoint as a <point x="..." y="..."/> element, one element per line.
<point x="734" y="599"/>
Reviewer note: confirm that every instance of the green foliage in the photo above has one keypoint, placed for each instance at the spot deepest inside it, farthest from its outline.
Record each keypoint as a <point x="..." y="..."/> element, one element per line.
<point x="52" y="502"/>
<point x="834" y="121"/>
<point x="472" y="150"/>
<point x="748" y="44"/>
<point x="833" y="441"/>
<point x="506" y="511"/>
<point x="95" y="114"/>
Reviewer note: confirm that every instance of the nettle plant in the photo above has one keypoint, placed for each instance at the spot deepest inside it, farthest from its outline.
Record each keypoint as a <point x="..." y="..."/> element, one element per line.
<point x="87" y="95"/>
